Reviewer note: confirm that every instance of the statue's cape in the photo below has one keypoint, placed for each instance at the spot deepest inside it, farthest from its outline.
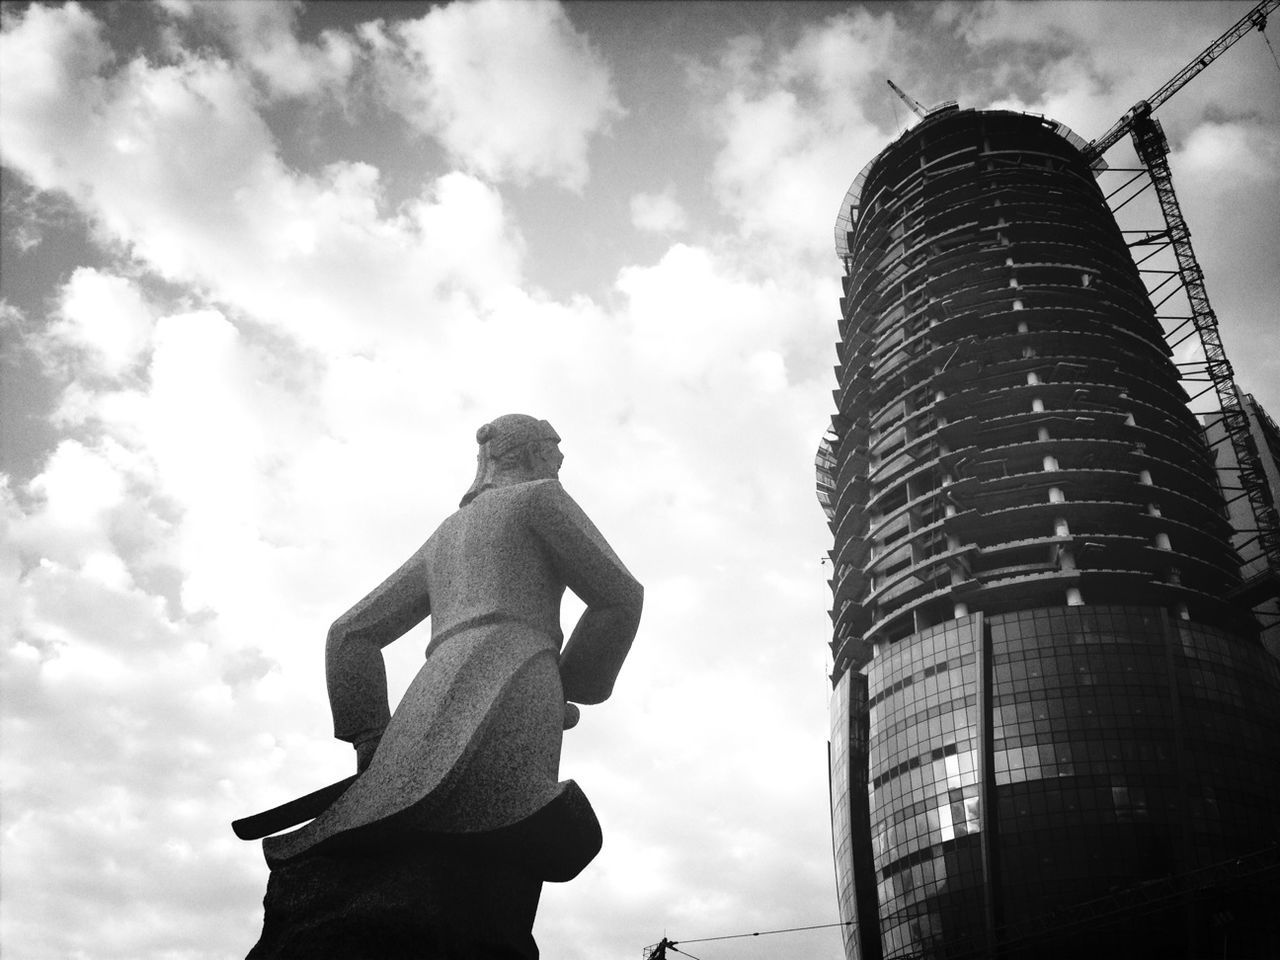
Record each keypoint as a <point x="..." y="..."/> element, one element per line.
<point x="469" y="761"/>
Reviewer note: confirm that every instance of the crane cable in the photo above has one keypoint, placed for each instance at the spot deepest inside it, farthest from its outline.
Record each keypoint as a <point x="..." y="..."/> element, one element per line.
<point x="1262" y="29"/>
<point x="893" y="104"/>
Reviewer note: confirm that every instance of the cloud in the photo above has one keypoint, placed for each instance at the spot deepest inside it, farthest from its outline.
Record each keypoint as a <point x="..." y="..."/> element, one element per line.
<point x="658" y="212"/>
<point x="123" y="710"/>
<point x="105" y="315"/>
<point x="1077" y="25"/>
<point x="31" y="215"/>
<point x="78" y="489"/>
<point x="1085" y="63"/>
<point x="512" y="90"/>
<point x="1231" y="152"/>
<point x="262" y="36"/>
<point x="792" y="134"/>
<point x="176" y="163"/>
<point x="121" y="706"/>
<point x="1220" y="173"/>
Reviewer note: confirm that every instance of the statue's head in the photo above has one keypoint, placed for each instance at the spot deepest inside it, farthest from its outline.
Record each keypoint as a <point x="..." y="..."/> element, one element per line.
<point x="514" y="448"/>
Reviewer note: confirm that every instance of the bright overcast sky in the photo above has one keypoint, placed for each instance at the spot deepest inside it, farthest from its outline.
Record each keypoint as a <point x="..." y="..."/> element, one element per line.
<point x="268" y="267"/>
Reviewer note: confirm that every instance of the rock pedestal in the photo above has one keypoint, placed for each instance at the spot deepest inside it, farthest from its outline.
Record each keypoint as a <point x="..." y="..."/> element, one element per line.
<point x="391" y="894"/>
<point x="419" y="903"/>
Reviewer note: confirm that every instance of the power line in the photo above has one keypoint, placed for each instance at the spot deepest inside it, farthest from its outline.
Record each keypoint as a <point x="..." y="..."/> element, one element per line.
<point x="1114" y="908"/>
<point x="658" y="951"/>
<point x="765" y="933"/>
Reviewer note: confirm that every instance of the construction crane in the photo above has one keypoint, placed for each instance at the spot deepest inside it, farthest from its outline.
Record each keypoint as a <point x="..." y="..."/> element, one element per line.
<point x="1254" y="19"/>
<point x="916" y="106"/>
<point x="1153" y="151"/>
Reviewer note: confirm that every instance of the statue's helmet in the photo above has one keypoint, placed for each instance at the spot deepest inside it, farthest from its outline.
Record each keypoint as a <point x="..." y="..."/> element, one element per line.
<point x="512" y="430"/>
<point x="500" y="440"/>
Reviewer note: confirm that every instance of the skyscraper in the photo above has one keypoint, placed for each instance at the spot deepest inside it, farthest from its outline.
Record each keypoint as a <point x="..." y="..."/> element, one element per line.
<point x="1044" y="705"/>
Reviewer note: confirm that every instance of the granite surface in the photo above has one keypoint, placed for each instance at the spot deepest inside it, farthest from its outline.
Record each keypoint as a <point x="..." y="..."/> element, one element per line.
<point x="466" y="770"/>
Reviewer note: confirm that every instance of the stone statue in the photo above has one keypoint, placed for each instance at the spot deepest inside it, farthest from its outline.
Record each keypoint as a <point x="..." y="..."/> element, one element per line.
<point x="458" y="797"/>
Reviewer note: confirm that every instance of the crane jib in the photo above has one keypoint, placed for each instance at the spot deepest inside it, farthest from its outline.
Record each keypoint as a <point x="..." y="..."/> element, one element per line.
<point x="1255" y="18"/>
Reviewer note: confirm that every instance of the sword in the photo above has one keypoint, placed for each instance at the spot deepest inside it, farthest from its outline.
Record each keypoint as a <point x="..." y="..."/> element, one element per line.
<point x="290" y="814"/>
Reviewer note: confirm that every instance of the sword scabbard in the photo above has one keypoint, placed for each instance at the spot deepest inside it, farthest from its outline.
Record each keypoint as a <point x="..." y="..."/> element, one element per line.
<point x="290" y="814"/>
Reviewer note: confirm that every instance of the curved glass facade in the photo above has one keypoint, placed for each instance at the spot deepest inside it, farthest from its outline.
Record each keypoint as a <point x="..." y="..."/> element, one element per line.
<point x="1028" y="761"/>
<point x="925" y="736"/>
<point x="1044" y="701"/>
<point x="1128" y="745"/>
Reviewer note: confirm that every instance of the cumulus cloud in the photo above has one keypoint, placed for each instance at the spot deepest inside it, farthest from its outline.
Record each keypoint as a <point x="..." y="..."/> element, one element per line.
<point x="658" y="212"/>
<point x="512" y="90"/>
<point x="263" y="38"/>
<point x="47" y="50"/>
<point x="31" y="215"/>
<point x="175" y="162"/>
<point x="1232" y="152"/>
<point x="112" y="708"/>
<point x="1220" y="173"/>
<point x="792" y="131"/>
<point x="1086" y="63"/>
<point x="106" y="316"/>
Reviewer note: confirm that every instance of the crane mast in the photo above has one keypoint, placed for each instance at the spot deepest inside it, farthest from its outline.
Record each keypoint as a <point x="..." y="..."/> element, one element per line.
<point x="1153" y="151"/>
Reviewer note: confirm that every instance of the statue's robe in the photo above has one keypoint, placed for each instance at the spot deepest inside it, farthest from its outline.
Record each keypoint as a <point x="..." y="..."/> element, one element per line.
<point x="473" y="750"/>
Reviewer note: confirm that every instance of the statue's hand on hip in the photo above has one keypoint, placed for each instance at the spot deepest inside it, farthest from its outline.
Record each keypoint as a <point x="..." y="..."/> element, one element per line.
<point x="571" y="715"/>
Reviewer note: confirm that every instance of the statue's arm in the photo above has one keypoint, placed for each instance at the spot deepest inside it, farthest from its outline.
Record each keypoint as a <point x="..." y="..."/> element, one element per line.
<point x="354" y="670"/>
<point x="592" y="657"/>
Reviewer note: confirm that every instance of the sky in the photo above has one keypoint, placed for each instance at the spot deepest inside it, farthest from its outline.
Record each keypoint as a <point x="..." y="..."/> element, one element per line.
<point x="267" y="268"/>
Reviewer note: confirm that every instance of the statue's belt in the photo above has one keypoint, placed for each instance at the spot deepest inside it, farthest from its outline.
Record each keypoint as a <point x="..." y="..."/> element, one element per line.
<point x="488" y="620"/>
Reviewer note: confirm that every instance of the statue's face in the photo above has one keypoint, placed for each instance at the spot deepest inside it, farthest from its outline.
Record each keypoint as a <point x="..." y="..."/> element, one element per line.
<point x="546" y="460"/>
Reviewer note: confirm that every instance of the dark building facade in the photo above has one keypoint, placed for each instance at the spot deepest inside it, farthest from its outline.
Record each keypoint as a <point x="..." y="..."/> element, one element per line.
<point x="1050" y="728"/>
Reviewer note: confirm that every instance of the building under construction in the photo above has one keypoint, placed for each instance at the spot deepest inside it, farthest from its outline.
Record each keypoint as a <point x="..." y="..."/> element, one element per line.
<point x="1054" y="730"/>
